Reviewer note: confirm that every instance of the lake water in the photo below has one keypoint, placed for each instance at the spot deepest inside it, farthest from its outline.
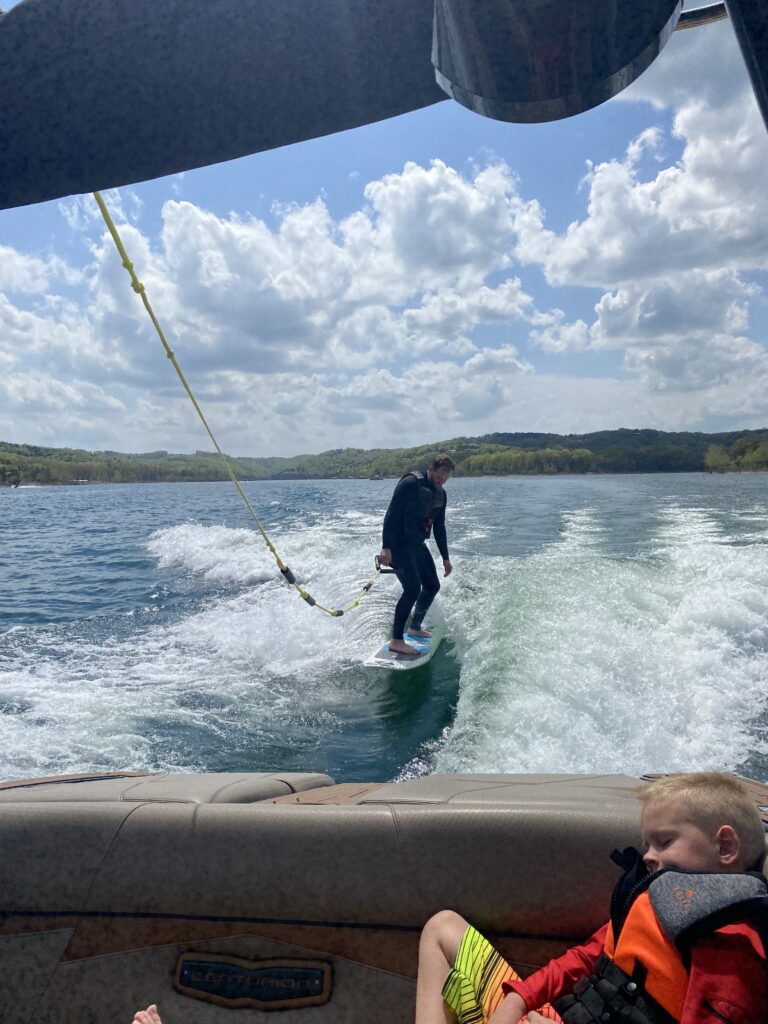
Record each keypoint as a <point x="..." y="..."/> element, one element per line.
<point x="614" y="624"/>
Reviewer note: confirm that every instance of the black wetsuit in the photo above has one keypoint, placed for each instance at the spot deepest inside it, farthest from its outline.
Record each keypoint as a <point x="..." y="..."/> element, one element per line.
<point x="417" y="508"/>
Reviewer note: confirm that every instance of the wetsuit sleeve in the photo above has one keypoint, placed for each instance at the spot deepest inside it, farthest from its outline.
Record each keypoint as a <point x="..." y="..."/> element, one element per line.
<point x="393" y="532"/>
<point x="438" y="529"/>
<point x="728" y="979"/>
<point x="558" y="977"/>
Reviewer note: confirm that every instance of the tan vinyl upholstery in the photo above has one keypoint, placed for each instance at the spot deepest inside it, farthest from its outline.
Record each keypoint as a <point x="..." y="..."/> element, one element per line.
<point x="142" y="868"/>
<point x="211" y="788"/>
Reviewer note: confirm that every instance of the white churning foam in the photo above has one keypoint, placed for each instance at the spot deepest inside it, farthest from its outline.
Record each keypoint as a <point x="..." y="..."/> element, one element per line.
<point x="581" y="660"/>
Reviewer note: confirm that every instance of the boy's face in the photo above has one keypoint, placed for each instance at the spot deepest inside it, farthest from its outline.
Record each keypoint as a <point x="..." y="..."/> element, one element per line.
<point x="670" y="840"/>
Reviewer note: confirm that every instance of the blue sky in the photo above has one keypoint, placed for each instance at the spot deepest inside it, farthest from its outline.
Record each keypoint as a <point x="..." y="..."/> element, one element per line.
<point x="435" y="275"/>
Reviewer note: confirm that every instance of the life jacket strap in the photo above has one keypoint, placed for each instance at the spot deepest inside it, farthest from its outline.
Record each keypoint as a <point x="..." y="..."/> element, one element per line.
<point x="611" y="996"/>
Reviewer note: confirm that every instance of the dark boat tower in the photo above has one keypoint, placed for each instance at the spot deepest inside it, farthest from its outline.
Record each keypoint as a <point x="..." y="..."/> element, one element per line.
<point x="101" y="93"/>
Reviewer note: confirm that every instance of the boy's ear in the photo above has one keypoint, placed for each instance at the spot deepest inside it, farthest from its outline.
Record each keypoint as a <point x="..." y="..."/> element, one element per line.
<point x="728" y="845"/>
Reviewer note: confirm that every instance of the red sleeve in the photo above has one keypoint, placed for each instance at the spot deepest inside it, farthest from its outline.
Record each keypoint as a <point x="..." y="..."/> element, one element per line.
<point x="558" y="977"/>
<point x="729" y="978"/>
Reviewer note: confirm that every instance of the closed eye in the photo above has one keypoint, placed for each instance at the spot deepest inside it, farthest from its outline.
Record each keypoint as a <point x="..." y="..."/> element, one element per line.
<point x="658" y="843"/>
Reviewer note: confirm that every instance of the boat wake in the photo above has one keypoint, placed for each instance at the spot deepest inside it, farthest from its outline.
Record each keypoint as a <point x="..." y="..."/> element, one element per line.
<point x="224" y="669"/>
<point x="585" y="660"/>
<point x="593" y="638"/>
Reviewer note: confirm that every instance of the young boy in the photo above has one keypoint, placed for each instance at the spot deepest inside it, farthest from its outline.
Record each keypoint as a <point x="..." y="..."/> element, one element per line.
<point x="683" y="944"/>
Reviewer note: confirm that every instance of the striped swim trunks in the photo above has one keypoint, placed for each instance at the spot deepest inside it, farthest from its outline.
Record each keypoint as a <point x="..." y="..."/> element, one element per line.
<point x="473" y="986"/>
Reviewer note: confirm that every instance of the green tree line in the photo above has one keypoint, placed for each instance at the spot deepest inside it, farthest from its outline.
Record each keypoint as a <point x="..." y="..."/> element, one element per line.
<point x="609" y="451"/>
<point x="748" y="453"/>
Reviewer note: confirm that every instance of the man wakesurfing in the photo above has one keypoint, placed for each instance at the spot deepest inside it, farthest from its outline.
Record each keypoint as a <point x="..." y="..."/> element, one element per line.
<point x="417" y="508"/>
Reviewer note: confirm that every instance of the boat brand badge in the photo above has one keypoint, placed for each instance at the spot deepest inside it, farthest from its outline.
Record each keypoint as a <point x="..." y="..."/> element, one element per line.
<point x="264" y="984"/>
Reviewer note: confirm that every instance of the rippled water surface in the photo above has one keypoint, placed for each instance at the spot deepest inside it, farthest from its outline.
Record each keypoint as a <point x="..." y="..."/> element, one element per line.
<point x="592" y="623"/>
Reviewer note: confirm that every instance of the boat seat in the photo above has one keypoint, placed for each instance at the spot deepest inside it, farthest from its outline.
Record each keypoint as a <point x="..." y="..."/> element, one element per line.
<point x="135" y="787"/>
<point x="505" y="790"/>
<point x="105" y="895"/>
<point x="543" y="791"/>
<point x="379" y="863"/>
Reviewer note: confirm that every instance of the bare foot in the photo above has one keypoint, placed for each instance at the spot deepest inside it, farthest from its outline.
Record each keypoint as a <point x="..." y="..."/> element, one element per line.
<point x="400" y="647"/>
<point x="148" y="1016"/>
<point x="419" y="632"/>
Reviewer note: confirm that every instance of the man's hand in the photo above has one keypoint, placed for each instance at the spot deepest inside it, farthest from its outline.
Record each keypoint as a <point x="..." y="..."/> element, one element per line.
<point x="385" y="556"/>
<point x="447" y="567"/>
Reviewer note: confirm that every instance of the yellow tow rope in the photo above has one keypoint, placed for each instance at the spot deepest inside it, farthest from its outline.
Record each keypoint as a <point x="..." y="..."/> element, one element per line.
<point x="138" y="287"/>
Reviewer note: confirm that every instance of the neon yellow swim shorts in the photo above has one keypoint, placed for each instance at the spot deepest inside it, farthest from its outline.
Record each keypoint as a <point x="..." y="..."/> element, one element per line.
<point x="473" y="986"/>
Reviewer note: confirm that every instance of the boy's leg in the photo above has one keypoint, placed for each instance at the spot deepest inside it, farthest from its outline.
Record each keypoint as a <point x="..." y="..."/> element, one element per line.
<point x="438" y="946"/>
<point x="473" y="988"/>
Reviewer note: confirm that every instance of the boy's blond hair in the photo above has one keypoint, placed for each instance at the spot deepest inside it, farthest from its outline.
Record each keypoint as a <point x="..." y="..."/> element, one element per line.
<point x="711" y="800"/>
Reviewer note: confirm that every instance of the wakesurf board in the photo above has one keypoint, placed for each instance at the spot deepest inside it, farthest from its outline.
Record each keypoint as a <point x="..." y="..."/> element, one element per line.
<point x="425" y="645"/>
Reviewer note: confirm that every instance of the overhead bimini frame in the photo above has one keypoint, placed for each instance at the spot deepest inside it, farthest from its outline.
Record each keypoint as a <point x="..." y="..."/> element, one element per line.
<point x="702" y="16"/>
<point x="103" y="93"/>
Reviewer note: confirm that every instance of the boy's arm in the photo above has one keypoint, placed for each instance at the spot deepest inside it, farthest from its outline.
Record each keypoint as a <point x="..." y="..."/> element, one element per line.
<point x="509" y="1010"/>
<point x="558" y="977"/>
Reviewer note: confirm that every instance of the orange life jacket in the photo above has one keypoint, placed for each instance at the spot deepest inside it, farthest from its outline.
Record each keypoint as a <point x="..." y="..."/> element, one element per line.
<point x="643" y="974"/>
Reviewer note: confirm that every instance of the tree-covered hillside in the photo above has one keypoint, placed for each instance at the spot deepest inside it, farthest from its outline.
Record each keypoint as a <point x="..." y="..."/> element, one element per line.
<point x="607" y="451"/>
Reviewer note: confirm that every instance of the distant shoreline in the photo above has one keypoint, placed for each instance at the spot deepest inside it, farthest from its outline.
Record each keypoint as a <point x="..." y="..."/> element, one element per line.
<point x="392" y="479"/>
<point x="606" y="452"/>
